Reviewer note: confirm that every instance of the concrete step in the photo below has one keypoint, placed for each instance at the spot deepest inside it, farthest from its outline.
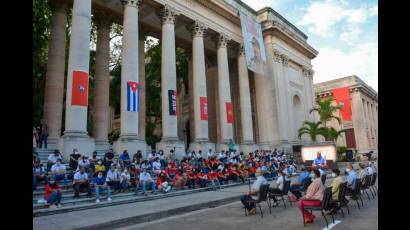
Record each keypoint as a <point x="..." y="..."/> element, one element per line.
<point x="118" y="199"/>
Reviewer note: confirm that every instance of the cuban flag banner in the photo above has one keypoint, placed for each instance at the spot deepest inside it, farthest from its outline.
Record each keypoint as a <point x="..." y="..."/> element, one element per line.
<point x="132" y="96"/>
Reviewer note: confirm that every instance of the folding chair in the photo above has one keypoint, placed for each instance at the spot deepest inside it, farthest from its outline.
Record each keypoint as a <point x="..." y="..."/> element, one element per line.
<point x="323" y="178"/>
<point x="342" y="201"/>
<point x="356" y="194"/>
<point x="263" y="192"/>
<point x="373" y="184"/>
<point x="327" y="195"/>
<point x="282" y="195"/>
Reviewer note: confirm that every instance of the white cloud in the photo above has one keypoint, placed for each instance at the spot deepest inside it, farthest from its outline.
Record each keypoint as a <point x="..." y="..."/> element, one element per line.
<point x="361" y="60"/>
<point x="321" y="18"/>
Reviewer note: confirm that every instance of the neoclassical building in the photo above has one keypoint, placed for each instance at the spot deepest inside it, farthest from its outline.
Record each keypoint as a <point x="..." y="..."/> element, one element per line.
<point x="362" y="131"/>
<point x="267" y="108"/>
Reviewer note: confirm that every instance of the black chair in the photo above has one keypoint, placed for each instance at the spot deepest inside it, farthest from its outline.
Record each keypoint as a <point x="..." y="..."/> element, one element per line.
<point x="327" y="195"/>
<point x="342" y="201"/>
<point x="356" y="194"/>
<point x="282" y="195"/>
<point x="364" y="185"/>
<point x="263" y="192"/>
<point x="323" y="178"/>
<point x="373" y="183"/>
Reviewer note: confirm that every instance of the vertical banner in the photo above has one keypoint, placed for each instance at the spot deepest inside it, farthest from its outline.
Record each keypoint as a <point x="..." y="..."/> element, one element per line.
<point x="253" y="44"/>
<point x="79" y="89"/>
<point x="204" y="108"/>
<point x="172" y="99"/>
<point x="229" y="112"/>
<point x="132" y="96"/>
<point x="342" y="98"/>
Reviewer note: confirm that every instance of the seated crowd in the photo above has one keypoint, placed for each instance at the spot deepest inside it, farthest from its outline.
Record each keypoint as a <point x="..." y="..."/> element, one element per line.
<point x="155" y="172"/>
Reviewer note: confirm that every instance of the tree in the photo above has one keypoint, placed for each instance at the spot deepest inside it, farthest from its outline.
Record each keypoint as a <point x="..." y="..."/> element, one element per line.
<point x="312" y="129"/>
<point x="331" y="134"/>
<point x="325" y="109"/>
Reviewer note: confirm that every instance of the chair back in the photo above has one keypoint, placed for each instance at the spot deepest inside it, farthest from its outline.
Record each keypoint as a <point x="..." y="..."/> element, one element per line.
<point x="327" y="195"/>
<point x="374" y="177"/>
<point x="342" y="191"/>
<point x="286" y="187"/>
<point x="263" y="192"/>
<point x="323" y="177"/>
<point x="357" y="187"/>
<point x="305" y="183"/>
<point x="368" y="180"/>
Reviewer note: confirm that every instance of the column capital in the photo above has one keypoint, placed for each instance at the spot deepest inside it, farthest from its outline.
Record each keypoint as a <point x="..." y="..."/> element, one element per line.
<point x="241" y="50"/>
<point x="277" y="56"/>
<point x="167" y="15"/>
<point x="222" y="40"/>
<point x="285" y="59"/>
<point x="197" y="28"/>
<point x="132" y="3"/>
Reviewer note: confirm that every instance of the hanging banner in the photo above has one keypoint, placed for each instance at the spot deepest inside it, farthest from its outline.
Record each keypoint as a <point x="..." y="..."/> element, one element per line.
<point x="79" y="89"/>
<point x="253" y="44"/>
<point x="204" y="108"/>
<point x="342" y="98"/>
<point x="229" y="112"/>
<point x="132" y="96"/>
<point x="172" y="99"/>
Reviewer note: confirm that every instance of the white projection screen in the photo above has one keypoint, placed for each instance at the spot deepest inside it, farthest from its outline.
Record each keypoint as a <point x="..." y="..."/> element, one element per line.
<point x="327" y="151"/>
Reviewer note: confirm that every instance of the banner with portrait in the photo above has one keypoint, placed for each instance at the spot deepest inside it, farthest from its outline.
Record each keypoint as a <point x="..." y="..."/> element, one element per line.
<point x="253" y="44"/>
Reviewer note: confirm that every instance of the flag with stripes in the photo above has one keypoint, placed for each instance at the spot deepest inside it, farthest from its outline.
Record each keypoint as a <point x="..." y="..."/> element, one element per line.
<point x="132" y="96"/>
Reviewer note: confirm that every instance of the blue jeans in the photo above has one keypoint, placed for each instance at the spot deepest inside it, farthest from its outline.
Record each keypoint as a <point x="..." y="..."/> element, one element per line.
<point x="59" y="177"/>
<point x="54" y="198"/>
<point x="245" y="199"/>
<point x="97" y="191"/>
<point x="215" y="183"/>
<point x="124" y="184"/>
<point x="150" y="183"/>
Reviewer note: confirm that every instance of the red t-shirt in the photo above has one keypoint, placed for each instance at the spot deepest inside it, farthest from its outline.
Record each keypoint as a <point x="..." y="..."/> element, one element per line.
<point x="48" y="190"/>
<point x="199" y="175"/>
<point x="212" y="176"/>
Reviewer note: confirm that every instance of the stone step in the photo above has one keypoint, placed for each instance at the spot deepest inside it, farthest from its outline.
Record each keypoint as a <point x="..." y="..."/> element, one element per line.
<point x="118" y="199"/>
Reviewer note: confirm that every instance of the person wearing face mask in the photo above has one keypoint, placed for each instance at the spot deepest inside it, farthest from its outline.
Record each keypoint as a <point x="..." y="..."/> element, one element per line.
<point x="335" y="189"/>
<point x="74" y="159"/>
<point x="113" y="178"/>
<point x="125" y="179"/>
<point x="146" y="180"/>
<point x="351" y="178"/>
<point x="100" y="183"/>
<point x="313" y="196"/>
<point x="84" y="162"/>
<point x="99" y="167"/>
<point x="58" y="170"/>
<point x="52" y="194"/>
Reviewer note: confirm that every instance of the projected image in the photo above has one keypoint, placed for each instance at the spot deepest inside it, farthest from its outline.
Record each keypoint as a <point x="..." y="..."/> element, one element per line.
<point x="328" y="152"/>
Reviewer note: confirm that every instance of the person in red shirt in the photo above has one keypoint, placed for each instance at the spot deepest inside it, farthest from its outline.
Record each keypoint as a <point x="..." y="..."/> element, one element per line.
<point x="190" y="178"/>
<point x="162" y="182"/>
<point x="221" y="176"/>
<point x="202" y="178"/>
<point x="251" y="171"/>
<point x="179" y="181"/>
<point x="213" y="178"/>
<point x="52" y="194"/>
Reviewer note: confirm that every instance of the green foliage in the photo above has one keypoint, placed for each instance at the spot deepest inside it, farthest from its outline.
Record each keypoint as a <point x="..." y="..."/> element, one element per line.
<point x="341" y="149"/>
<point x="332" y="134"/>
<point x="113" y="136"/>
<point x="326" y="110"/>
<point x="312" y="129"/>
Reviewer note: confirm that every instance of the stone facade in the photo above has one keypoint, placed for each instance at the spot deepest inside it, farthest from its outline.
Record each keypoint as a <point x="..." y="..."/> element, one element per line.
<point x="363" y="131"/>
<point x="268" y="108"/>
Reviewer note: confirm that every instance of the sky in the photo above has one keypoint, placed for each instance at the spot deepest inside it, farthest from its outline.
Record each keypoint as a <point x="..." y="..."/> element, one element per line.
<point x="345" y="32"/>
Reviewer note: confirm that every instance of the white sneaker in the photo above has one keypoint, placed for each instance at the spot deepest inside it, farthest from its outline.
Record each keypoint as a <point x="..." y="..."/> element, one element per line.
<point x="59" y="206"/>
<point x="109" y="199"/>
<point x="97" y="201"/>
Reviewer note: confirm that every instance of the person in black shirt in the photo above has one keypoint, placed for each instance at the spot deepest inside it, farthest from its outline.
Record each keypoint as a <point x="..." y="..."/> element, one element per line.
<point x="74" y="159"/>
<point x="108" y="160"/>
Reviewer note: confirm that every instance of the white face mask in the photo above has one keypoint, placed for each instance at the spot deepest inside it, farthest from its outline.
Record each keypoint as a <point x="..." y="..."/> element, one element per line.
<point x="312" y="175"/>
<point x="99" y="176"/>
<point x="334" y="175"/>
<point x="125" y="171"/>
<point x="348" y="170"/>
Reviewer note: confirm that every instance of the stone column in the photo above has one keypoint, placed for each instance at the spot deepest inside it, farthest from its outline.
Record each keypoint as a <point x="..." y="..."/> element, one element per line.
<point x="199" y="92"/>
<point x="245" y="102"/>
<point x="75" y="134"/>
<point x="224" y="93"/>
<point x="102" y="83"/>
<point x="168" y="82"/>
<point x="54" y="86"/>
<point x="358" y="124"/>
<point x="129" y="138"/>
<point x="141" y="99"/>
<point x="375" y="123"/>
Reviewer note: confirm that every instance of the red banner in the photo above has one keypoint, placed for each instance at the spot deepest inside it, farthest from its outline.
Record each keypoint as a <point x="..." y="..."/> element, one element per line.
<point x="342" y="98"/>
<point x="79" y="89"/>
<point x="204" y="108"/>
<point x="229" y="112"/>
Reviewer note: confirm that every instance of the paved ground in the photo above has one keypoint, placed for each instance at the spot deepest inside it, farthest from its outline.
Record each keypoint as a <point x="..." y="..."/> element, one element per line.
<point x="231" y="216"/>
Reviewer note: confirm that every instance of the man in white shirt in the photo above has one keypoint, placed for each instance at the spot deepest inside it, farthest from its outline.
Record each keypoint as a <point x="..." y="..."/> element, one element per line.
<point x="280" y="183"/>
<point x="81" y="182"/>
<point x="252" y="195"/>
<point x="52" y="159"/>
<point x="209" y="154"/>
<point x="113" y="178"/>
<point x="59" y="172"/>
<point x="146" y="180"/>
<point x="84" y="162"/>
<point x="125" y="179"/>
<point x="156" y="165"/>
